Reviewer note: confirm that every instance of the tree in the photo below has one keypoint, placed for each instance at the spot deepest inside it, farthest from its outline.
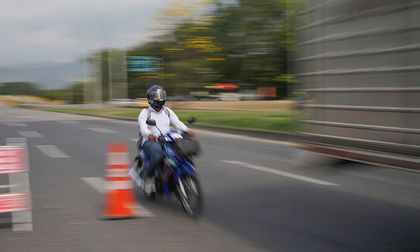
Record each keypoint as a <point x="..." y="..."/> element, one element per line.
<point x="247" y="43"/>
<point x="19" y="88"/>
<point x="256" y="37"/>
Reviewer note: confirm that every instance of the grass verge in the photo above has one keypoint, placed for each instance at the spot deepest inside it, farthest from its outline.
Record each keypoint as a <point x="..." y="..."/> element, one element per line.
<point x="281" y="121"/>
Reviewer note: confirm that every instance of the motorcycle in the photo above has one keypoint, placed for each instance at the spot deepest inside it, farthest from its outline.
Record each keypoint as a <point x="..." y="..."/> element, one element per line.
<point x="177" y="175"/>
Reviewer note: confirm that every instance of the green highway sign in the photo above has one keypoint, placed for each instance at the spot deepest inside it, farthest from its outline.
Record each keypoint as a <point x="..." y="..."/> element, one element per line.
<point x="143" y="64"/>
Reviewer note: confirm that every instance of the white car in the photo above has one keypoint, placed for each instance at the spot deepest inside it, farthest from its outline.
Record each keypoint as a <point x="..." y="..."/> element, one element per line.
<point x="228" y="97"/>
<point x="124" y="103"/>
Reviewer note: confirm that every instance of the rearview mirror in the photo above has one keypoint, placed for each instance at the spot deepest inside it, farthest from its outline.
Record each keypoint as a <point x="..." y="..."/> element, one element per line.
<point x="191" y="120"/>
<point x="151" y="122"/>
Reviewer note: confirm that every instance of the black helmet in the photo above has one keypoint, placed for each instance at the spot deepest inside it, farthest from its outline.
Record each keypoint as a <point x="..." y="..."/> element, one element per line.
<point x="156" y="96"/>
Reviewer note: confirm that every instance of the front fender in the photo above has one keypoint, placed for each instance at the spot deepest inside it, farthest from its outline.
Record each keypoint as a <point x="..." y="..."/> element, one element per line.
<point x="188" y="168"/>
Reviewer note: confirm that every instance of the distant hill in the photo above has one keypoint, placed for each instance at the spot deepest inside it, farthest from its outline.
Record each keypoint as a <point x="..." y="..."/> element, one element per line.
<point x="48" y="74"/>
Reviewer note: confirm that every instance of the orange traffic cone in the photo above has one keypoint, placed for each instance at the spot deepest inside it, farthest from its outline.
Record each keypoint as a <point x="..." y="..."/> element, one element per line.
<point x="119" y="195"/>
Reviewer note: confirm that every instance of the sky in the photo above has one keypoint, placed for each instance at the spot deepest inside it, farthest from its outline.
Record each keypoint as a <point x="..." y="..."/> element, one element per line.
<point x="35" y="31"/>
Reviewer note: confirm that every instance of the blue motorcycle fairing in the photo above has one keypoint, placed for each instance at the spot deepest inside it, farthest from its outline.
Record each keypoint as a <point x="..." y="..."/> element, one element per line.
<point x="178" y="166"/>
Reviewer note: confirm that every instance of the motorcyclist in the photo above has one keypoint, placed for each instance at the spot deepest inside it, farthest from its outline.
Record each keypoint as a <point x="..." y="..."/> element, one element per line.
<point x="165" y="118"/>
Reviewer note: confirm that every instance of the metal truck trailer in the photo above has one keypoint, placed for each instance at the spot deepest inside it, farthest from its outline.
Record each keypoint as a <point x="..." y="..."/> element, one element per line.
<point x="359" y="64"/>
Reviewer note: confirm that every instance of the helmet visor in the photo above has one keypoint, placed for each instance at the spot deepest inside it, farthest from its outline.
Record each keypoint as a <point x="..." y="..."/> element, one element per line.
<point x="158" y="95"/>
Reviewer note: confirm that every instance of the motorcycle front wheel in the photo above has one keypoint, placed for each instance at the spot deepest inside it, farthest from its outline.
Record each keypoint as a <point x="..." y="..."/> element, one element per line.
<point x="190" y="195"/>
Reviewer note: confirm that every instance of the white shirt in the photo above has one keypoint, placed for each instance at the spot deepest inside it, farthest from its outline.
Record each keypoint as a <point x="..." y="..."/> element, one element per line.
<point x="163" y="121"/>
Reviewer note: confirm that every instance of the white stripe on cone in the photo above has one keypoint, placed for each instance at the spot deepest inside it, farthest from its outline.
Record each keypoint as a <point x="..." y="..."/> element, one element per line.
<point x="117" y="173"/>
<point x="118" y="158"/>
<point x="118" y="185"/>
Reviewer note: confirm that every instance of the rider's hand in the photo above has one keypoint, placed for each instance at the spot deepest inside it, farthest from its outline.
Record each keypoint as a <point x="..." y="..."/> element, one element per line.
<point x="152" y="138"/>
<point x="191" y="134"/>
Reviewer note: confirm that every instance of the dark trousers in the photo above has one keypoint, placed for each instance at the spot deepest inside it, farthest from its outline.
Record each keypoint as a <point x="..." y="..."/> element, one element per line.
<point x="153" y="151"/>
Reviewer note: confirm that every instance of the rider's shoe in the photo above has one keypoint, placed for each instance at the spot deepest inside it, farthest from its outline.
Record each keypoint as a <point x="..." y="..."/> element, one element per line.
<point x="149" y="185"/>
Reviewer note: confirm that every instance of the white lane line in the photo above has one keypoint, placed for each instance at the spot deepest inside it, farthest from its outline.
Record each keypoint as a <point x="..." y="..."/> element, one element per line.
<point x="7" y="186"/>
<point x="134" y="139"/>
<point x="99" y="185"/>
<point x="13" y="140"/>
<point x="52" y="151"/>
<point x="29" y="134"/>
<point x="102" y="130"/>
<point x="19" y="141"/>
<point x="25" y="117"/>
<point x="280" y="173"/>
<point x="16" y="124"/>
<point x="68" y="122"/>
<point x="96" y="183"/>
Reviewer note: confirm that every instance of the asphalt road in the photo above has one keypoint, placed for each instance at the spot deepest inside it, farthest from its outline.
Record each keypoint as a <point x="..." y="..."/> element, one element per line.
<point x="260" y="195"/>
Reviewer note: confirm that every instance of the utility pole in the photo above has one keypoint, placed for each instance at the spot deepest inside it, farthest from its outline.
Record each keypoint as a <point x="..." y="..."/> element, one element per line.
<point x="98" y="90"/>
<point x="124" y="73"/>
<point x="84" y="79"/>
<point x="109" y="76"/>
